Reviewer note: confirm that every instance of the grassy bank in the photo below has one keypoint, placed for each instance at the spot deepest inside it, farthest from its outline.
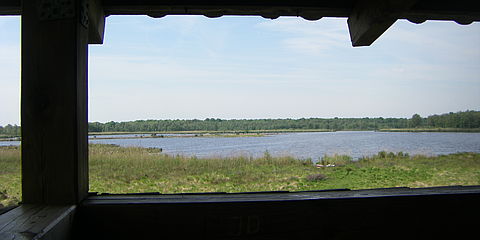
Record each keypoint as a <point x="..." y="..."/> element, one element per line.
<point x="116" y="169"/>
<point x="214" y="132"/>
<point x="430" y="130"/>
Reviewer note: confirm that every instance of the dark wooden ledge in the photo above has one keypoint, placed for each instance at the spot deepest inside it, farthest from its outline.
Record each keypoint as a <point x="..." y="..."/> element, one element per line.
<point x="399" y="213"/>
<point x="156" y="198"/>
<point x="32" y="221"/>
<point x="393" y="213"/>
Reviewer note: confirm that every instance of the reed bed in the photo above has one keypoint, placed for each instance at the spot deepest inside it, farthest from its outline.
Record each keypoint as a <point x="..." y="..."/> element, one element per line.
<point x="115" y="169"/>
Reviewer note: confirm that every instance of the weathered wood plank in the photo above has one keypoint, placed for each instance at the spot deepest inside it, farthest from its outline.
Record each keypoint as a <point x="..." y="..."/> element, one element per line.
<point x="54" y="104"/>
<point x="285" y="196"/>
<point x="7" y="217"/>
<point x="371" y="18"/>
<point x="37" y="222"/>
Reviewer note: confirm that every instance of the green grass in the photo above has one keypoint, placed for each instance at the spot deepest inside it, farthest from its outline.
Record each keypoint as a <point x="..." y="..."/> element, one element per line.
<point x="10" y="182"/>
<point x="115" y="169"/>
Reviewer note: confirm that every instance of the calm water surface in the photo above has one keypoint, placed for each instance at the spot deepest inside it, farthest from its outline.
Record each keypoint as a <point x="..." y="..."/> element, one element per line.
<point x="309" y="145"/>
<point x="313" y="145"/>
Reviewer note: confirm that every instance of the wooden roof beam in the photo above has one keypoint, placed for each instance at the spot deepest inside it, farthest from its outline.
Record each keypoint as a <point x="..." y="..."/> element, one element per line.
<point x="308" y="9"/>
<point x="96" y="22"/>
<point x="368" y="18"/>
<point x="96" y="17"/>
<point x="10" y="7"/>
<point x="371" y="18"/>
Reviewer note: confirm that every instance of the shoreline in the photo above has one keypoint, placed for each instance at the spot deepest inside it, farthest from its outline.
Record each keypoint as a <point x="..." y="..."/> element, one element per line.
<point x="250" y="133"/>
<point x="457" y="130"/>
<point x="213" y="132"/>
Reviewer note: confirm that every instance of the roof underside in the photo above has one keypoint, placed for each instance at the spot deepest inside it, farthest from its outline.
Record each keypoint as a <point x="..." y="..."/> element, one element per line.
<point x="460" y="11"/>
<point x="366" y="17"/>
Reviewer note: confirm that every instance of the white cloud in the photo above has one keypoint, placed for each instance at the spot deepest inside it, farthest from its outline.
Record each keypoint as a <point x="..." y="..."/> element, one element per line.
<point x="310" y="37"/>
<point x="450" y="42"/>
<point x="194" y="67"/>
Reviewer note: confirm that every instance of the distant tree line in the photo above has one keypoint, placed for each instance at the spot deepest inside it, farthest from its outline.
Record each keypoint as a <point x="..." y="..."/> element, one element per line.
<point x="467" y="119"/>
<point x="10" y="130"/>
<point x="211" y="124"/>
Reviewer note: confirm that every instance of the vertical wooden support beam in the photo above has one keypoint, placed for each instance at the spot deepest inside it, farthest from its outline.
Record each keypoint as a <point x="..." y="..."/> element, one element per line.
<point x="371" y="18"/>
<point x="54" y="101"/>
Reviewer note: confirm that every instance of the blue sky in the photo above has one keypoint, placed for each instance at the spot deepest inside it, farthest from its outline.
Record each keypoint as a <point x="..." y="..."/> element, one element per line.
<point x="186" y="67"/>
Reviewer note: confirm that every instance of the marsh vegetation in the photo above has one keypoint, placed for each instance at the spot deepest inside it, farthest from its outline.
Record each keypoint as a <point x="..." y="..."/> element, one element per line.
<point x="115" y="169"/>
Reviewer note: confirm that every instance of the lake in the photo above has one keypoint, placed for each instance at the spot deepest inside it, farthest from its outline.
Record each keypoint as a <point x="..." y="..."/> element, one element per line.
<point x="307" y="145"/>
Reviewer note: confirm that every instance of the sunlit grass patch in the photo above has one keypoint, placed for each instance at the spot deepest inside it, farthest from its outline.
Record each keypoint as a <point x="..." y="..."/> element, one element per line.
<point x="10" y="181"/>
<point x="173" y="174"/>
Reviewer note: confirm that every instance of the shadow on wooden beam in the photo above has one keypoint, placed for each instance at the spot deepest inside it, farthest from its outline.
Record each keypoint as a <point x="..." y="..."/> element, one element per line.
<point x="96" y="19"/>
<point x="371" y="18"/>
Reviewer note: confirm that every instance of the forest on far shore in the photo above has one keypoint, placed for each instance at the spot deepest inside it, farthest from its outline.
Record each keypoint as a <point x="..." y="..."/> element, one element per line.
<point x="467" y="119"/>
<point x="463" y="120"/>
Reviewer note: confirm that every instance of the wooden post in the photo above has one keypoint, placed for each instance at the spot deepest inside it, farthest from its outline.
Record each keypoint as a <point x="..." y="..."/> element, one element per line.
<point x="54" y="101"/>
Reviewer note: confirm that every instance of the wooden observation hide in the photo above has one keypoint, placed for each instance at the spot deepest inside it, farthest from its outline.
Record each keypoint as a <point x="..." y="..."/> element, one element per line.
<point x="56" y="203"/>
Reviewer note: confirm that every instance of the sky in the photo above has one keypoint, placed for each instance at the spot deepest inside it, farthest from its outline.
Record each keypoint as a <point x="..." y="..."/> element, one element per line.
<point x="193" y="67"/>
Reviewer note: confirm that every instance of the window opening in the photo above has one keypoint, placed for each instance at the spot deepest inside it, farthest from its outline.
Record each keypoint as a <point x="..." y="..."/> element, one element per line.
<point x="10" y="180"/>
<point x="241" y="104"/>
